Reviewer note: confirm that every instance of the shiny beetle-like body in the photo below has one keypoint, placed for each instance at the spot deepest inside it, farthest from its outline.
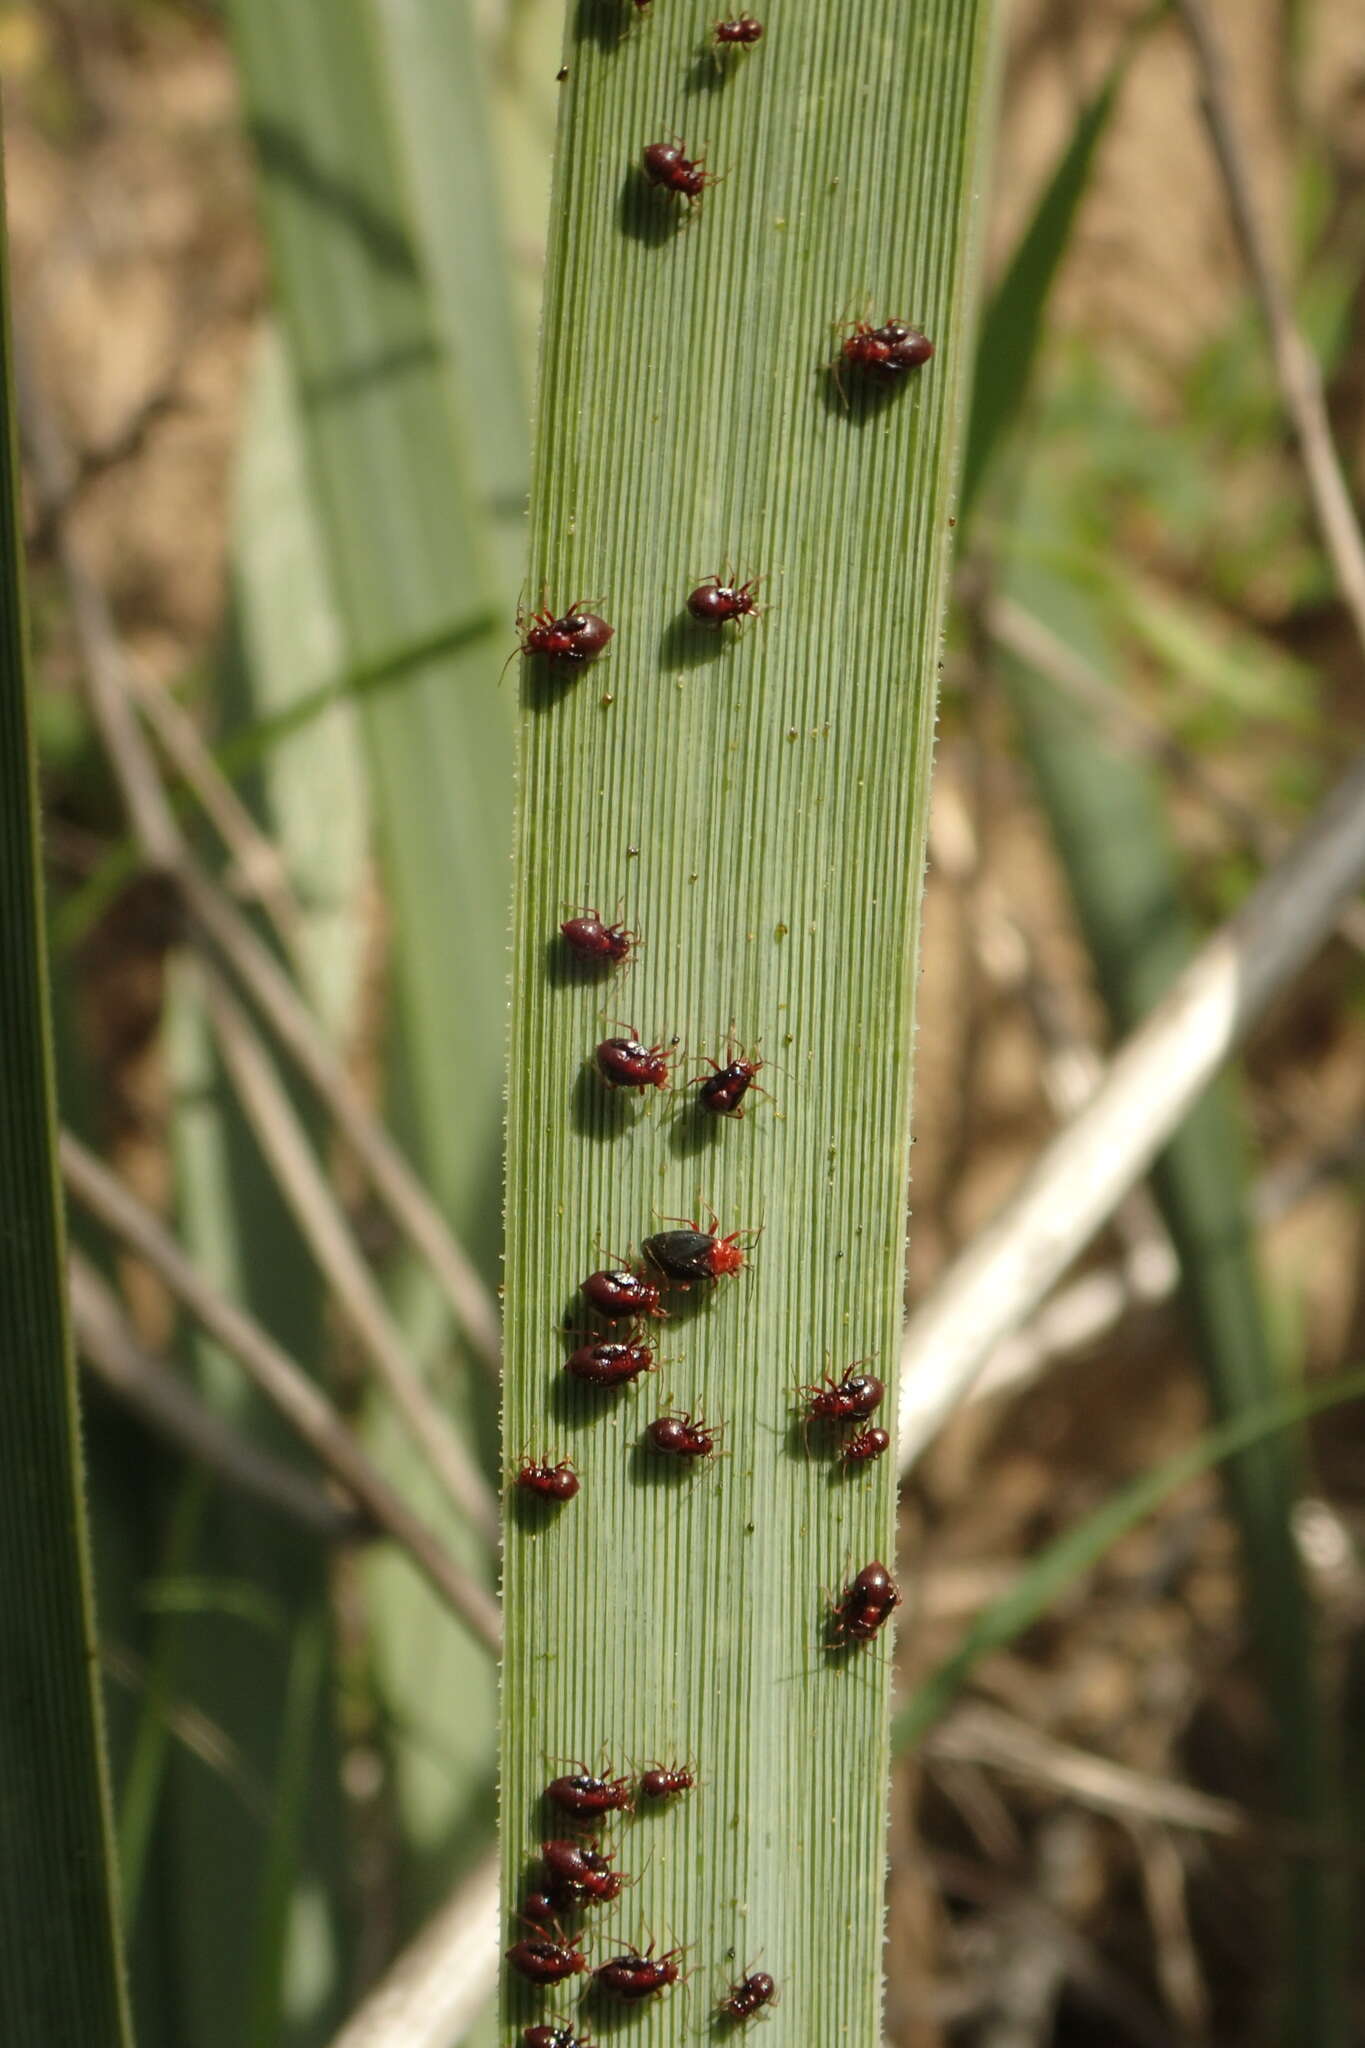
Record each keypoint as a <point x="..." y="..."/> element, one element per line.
<point x="883" y="353"/>
<point x="633" y="1976"/>
<point x="666" y="1781"/>
<point x="865" y="1606"/>
<point x="575" y="637"/>
<point x="626" y="1063"/>
<point x="747" y="1997"/>
<point x="723" y="1090"/>
<point x="850" y="1399"/>
<point x="542" y="1961"/>
<point x="587" y="1797"/>
<point x="866" y="1446"/>
<point x="740" y="33"/>
<point x="618" y="1293"/>
<point x="549" y="1482"/>
<point x="692" y="1254"/>
<point x="607" y="1363"/>
<point x="716" y="602"/>
<point x="595" y="942"/>
<point x="682" y="1436"/>
<point x="667" y="166"/>
<point x="581" y="1870"/>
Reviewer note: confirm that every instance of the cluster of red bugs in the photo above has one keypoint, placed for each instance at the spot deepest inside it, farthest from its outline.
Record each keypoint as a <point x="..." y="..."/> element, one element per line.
<point x="574" y="1875"/>
<point x="852" y="1398"/>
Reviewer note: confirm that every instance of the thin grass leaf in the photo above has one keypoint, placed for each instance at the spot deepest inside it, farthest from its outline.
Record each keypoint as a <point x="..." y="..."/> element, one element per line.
<point x="61" y="1976"/>
<point x="402" y="485"/>
<point x="311" y="798"/>
<point x="1012" y="322"/>
<point x="1065" y="1561"/>
<point x="757" y="802"/>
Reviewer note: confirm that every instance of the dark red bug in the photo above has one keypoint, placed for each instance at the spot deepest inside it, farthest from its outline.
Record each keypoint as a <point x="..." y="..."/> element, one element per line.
<point x="635" y="1976"/>
<point x="587" y="1797"/>
<point x="692" y="1254"/>
<point x="667" y="166"/>
<point x="853" y="1398"/>
<point x="682" y="1436"/>
<point x="541" y="1907"/>
<point x="865" y="1606"/>
<point x="747" y="1997"/>
<point x="575" y="637"/>
<point x="595" y="942"/>
<point x="549" y="1482"/>
<point x="666" y="1781"/>
<point x="626" y="1063"/>
<point x="544" y="1961"/>
<point x="883" y="353"/>
<point x="716" y="601"/>
<point x="741" y="31"/>
<point x="865" y="1446"/>
<point x="608" y="1363"/>
<point x="618" y="1292"/>
<point x="723" y="1090"/>
<point x="553" y="2037"/>
<point x="581" y="1869"/>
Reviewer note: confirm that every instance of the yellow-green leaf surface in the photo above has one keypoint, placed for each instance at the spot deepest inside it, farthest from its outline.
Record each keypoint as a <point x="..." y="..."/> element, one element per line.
<point x="61" y="1981"/>
<point x="756" y="802"/>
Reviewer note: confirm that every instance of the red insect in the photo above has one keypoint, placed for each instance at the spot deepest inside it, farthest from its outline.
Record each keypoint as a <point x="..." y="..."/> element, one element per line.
<point x="692" y="1254"/>
<point x="635" y="1976"/>
<point x="592" y="940"/>
<point x="586" y="1797"/>
<point x="544" y="1961"/>
<point x="553" y="2037"/>
<point x="723" y="1090"/>
<point x="542" y="1908"/>
<point x="666" y="165"/>
<point x="618" y="1292"/>
<point x="865" y="1606"/>
<point x="865" y="1446"/>
<point x="549" y="1482"/>
<point x="610" y="1364"/>
<point x="666" y="1782"/>
<point x="853" y="1398"/>
<point x="581" y="1868"/>
<point x="747" y="1997"/>
<point x="884" y="353"/>
<point x="577" y="636"/>
<point x="626" y="1063"/>
<point x="744" y="30"/>
<point x="681" y="1436"/>
<point x="715" y="602"/>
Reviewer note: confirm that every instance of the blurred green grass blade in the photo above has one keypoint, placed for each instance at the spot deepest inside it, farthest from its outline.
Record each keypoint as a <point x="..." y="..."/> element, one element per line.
<point x="440" y="92"/>
<point x="1104" y="810"/>
<point x="61" y="1976"/>
<point x="410" y="560"/>
<point x="1057" y="1569"/>
<point x="217" y="1883"/>
<point x="278" y="1892"/>
<point x="254" y="1924"/>
<point x="758" y="802"/>
<point x="1012" y="320"/>
<point x="406" y="554"/>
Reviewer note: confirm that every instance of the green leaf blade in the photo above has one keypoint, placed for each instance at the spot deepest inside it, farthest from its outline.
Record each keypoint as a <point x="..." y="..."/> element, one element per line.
<point x="758" y="801"/>
<point x="61" y="1974"/>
